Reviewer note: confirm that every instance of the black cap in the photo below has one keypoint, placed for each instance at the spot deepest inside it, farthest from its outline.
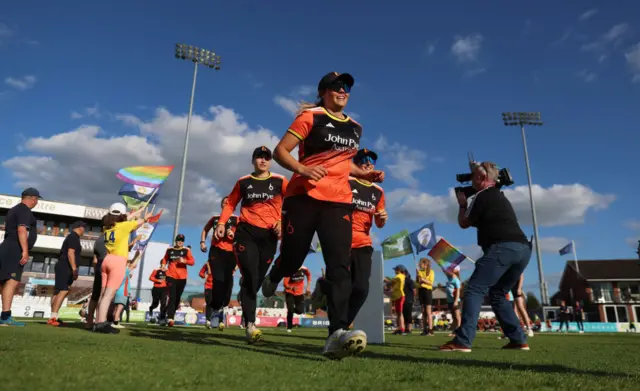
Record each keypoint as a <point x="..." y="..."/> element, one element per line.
<point x="262" y="151"/>
<point x="31" y="192"/>
<point x="78" y="224"/>
<point x="332" y="77"/>
<point x="399" y="267"/>
<point x="365" y="152"/>
<point x="180" y="238"/>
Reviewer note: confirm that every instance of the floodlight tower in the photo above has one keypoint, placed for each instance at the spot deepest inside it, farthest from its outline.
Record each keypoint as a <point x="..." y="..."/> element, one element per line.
<point x="521" y="119"/>
<point x="209" y="59"/>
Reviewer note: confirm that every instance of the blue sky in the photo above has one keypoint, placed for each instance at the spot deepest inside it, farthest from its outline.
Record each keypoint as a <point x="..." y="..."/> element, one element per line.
<point x="88" y="88"/>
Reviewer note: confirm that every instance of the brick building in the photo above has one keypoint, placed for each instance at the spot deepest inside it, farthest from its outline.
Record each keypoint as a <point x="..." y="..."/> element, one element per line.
<point x="608" y="289"/>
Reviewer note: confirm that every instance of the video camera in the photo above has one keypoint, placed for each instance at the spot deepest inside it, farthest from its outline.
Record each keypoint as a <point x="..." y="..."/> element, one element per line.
<point x="504" y="178"/>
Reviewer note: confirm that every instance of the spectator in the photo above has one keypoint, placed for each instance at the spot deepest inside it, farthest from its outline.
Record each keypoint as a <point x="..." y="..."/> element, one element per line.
<point x="564" y="315"/>
<point x="578" y="313"/>
<point x="407" y="307"/>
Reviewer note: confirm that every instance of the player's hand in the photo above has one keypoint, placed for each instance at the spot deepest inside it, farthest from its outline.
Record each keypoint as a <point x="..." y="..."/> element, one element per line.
<point x="462" y="199"/>
<point x="375" y="176"/>
<point x="219" y="232"/>
<point x="75" y="274"/>
<point x="308" y="292"/>
<point x="277" y="229"/>
<point x="147" y="215"/>
<point x="182" y="260"/>
<point x="25" y="258"/>
<point x="203" y="247"/>
<point x="231" y="234"/>
<point x="382" y="215"/>
<point x="313" y="172"/>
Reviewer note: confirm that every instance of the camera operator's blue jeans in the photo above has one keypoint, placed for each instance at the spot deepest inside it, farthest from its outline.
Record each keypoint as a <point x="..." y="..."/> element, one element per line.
<point x="496" y="273"/>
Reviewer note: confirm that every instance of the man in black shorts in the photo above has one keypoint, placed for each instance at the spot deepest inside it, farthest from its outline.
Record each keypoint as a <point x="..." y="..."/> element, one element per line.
<point x="66" y="269"/>
<point x="99" y="253"/>
<point x="20" y="237"/>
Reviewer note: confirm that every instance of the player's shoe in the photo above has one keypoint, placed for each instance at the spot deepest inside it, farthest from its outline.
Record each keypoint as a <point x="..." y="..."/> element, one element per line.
<point x="353" y="342"/>
<point x="269" y="288"/>
<point x="253" y="334"/>
<point x="170" y="323"/>
<point x="11" y="322"/>
<point x="53" y="322"/>
<point x="207" y="324"/>
<point x="333" y="346"/>
<point x="221" y="326"/>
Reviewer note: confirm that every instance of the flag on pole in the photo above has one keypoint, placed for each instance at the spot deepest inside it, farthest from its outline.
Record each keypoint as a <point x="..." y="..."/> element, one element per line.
<point x="147" y="176"/>
<point x="424" y="238"/>
<point x="146" y="231"/>
<point x="397" y="245"/>
<point x="141" y="193"/>
<point x="566" y="249"/>
<point x="447" y="256"/>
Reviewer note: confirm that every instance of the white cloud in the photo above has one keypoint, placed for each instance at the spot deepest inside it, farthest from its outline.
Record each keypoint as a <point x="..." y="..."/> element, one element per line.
<point x="475" y="72"/>
<point x="289" y="105"/>
<point x="555" y="206"/>
<point x="5" y="32"/>
<point x="304" y="90"/>
<point x="21" y="84"/>
<point x="633" y="224"/>
<point x="431" y="48"/>
<point x="586" y="76"/>
<point x="633" y="242"/>
<point x="551" y="244"/>
<point x="588" y="14"/>
<point x="466" y="49"/>
<point x="87" y="112"/>
<point x="219" y="153"/>
<point x="633" y="60"/>
<point x="400" y="161"/>
<point x="614" y="37"/>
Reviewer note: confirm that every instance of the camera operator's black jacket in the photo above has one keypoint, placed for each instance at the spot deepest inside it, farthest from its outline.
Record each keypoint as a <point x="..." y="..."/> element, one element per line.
<point x="492" y="214"/>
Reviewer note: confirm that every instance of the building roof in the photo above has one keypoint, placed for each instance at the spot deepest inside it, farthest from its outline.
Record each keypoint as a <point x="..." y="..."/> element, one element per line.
<point x="607" y="269"/>
<point x="57" y="208"/>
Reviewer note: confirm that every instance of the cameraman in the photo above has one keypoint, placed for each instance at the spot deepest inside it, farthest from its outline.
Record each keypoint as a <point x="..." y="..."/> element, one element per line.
<point x="506" y="255"/>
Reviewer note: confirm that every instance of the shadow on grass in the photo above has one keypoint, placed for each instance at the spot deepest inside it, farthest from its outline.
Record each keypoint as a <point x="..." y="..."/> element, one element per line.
<point x="312" y="352"/>
<point x="231" y="341"/>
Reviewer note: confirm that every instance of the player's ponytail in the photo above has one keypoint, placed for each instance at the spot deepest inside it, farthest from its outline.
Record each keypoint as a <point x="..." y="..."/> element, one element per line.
<point x="303" y="105"/>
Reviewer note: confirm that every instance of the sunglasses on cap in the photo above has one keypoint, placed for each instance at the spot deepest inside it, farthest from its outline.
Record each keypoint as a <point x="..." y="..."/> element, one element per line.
<point x="336" y="87"/>
<point x="366" y="160"/>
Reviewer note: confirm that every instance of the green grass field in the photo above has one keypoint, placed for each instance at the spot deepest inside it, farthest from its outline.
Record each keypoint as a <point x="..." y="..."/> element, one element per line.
<point x="38" y="357"/>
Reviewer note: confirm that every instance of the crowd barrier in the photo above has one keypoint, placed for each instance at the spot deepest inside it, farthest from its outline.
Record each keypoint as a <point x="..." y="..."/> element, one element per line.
<point x="594" y="327"/>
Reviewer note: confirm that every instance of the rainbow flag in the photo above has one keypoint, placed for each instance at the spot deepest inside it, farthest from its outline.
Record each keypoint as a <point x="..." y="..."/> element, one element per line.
<point x="148" y="176"/>
<point x="447" y="256"/>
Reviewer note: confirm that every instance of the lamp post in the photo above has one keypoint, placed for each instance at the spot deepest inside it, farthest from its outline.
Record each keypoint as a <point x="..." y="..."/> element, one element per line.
<point x="638" y="252"/>
<point x="521" y="119"/>
<point x="211" y="60"/>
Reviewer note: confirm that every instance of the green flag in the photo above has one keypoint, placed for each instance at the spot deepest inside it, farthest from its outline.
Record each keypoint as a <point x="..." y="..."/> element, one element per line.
<point x="397" y="245"/>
